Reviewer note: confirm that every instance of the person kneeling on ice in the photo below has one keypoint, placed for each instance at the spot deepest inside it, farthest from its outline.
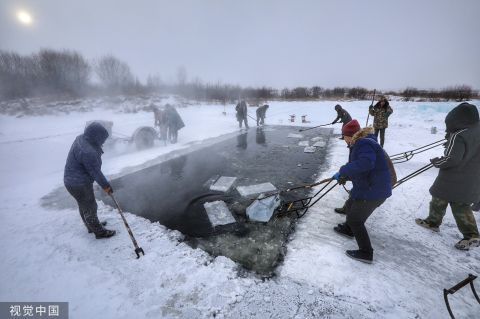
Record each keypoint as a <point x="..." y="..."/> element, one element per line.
<point x="369" y="172"/>
<point x="458" y="180"/>
<point x="83" y="167"/>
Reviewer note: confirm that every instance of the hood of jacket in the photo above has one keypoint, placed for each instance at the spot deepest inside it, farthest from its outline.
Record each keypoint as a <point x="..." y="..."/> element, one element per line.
<point x="95" y="134"/>
<point x="462" y="116"/>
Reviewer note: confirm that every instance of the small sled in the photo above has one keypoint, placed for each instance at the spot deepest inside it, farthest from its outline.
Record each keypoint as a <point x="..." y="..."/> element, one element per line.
<point x="301" y="206"/>
<point x="454" y="289"/>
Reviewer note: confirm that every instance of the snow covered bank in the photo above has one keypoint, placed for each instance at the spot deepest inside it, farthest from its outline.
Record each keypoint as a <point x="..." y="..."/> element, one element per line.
<point x="48" y="256"/>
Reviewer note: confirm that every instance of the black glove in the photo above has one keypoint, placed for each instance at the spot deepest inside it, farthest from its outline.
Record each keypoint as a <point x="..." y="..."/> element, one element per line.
<point x="342" y="180"/>
<point x="435" y="160"/>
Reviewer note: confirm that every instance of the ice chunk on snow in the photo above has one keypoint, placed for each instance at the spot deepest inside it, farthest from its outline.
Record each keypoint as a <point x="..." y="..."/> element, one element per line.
<point x="223" y="184"/>
<point x="320" y="144"/>
<point x="303" y="143"/>
<point x="293" y="135"/>
<point x="316" y="139"/>
<point x="309" y="149"/>
<point x="218" y="213"/>
<point x="256" y="189"/>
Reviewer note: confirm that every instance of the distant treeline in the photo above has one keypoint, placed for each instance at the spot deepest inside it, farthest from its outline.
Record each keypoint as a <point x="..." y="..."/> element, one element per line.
<point x="458" y="93"/>
<point x="68" y="74"/>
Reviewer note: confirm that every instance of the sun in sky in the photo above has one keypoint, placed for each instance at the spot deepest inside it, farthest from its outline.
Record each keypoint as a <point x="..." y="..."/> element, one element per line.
<point x="24" y="17"/>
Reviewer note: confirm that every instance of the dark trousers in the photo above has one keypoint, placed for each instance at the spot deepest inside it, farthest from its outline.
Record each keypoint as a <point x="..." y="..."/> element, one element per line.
<point x="343" y="124"/>
<point x="382" y="135"/>
<point x="163" y="133"/>
<point x="87" y="206"/>
<point x="245" y="120"/>
<point x="476" y="207"/>
<point x="173" y="135"/>
<point x="260" y="120"/>
<point x="358" y="212"/>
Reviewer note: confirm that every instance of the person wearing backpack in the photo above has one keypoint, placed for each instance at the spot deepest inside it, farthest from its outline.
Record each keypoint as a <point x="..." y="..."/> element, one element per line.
<point x="458" y="180"/>
<point x="368" y="170"/>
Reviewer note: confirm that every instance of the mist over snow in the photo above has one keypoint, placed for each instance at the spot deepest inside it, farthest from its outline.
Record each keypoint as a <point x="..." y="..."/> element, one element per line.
<point x="64" y="64"/>
<point x="49" y="255"/>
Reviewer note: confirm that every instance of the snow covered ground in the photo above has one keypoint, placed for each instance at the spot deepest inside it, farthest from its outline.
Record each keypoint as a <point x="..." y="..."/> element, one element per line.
<point x="48" y="255"/>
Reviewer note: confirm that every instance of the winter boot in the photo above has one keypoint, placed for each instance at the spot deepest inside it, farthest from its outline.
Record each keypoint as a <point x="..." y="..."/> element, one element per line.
<point x="466" y="244"/>
<point x="102" y="223"/>
<point x="340" y="211"/>
<point x="424" y="223"/>
<point x="343" y="230"/>
<point x="360" y="255"/>
<point x="105" y="234"/>
<point x="476" y="207"/>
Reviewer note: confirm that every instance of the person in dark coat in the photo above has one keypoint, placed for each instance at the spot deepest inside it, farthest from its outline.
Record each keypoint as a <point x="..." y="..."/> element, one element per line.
<point x="342" y="115"/>
<point x="458" y="180"/>
<point x="161" y="122"/>
<point x="242" y="114"/>
<point x="82" y="168"/>
<point x="174" y="123"/>
<point x="381" y="112"/>
<point x="261" y="114"/>
<point x="369" y="173"/>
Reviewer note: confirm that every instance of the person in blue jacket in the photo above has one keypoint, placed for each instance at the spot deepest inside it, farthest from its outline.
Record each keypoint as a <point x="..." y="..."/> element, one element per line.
<point x="83" y="167"/>
<point x="370" y="175"/>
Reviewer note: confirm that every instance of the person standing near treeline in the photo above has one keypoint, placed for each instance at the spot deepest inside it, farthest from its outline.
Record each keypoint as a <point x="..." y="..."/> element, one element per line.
<point x="241" y="110"/>
<point x="162" y="122"/>
<point x="381" y="112"/>
<point x="174" y="123"/>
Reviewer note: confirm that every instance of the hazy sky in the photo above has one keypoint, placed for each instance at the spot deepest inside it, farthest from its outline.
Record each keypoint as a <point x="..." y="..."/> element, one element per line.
<point x="377" y="44"/>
